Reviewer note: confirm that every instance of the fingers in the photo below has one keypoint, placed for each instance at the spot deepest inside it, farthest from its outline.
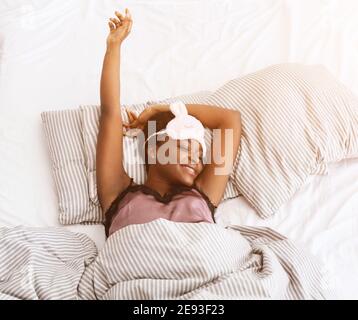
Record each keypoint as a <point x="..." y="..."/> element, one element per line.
<point x="128" y="14"/>
<point x="129" y="125"/>
<point x="131" y="133"/>
<point x="119" y="15"/>
<point x="132" y="120"/>
<point x="111" y="25"/>
<point x="116" y="22"/>
<point x="121" y="20"/>
<point x="127" y="17"/>
<point x="132" y="116"/>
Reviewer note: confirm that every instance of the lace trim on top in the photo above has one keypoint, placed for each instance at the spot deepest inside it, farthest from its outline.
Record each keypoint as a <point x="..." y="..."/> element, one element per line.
<point x="132" y="187"/>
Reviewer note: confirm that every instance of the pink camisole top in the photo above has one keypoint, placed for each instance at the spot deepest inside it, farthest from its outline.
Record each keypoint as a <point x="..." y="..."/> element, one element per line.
<point x="141" y="204"/>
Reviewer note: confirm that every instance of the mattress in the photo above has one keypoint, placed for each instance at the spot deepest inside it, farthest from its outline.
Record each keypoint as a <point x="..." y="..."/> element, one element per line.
<point x="51" y="54"/>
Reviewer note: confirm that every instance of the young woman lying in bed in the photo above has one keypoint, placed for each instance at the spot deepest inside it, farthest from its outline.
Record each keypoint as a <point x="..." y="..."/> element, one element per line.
<point x="179" y="186"/>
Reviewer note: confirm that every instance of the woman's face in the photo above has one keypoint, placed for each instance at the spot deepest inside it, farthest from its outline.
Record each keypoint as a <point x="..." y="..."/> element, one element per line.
<point x="179" y="161"/>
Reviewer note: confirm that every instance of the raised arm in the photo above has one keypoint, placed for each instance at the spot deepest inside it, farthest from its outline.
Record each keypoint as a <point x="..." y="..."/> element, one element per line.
<point x="110" y="173"/>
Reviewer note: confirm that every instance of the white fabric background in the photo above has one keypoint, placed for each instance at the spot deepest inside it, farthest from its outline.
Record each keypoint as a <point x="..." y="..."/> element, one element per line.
<point x="51" y="54"/>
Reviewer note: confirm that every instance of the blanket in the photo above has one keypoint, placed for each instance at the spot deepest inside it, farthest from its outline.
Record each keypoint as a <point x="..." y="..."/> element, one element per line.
<point x="43" y="263"/>
<point x="160" y="260"/>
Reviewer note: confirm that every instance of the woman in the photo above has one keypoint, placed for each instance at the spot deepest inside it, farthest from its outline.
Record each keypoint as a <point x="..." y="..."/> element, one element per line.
<point x="184" y="190"/>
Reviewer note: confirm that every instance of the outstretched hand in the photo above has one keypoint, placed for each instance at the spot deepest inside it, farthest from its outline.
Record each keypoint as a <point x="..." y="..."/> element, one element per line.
<point x="136" y="122"/>
<point x="119" y="27"/>
<point x="139" y="122"/>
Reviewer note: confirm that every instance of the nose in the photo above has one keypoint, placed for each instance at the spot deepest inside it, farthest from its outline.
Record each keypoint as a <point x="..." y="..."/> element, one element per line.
<point x="194" y="152"/>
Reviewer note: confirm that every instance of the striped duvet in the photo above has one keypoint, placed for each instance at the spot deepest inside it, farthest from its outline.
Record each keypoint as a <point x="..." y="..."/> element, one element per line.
<point x="158" y="260"/>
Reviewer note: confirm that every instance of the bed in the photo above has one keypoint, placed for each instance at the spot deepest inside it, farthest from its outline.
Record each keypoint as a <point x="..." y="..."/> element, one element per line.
<point x="51" y="54"/>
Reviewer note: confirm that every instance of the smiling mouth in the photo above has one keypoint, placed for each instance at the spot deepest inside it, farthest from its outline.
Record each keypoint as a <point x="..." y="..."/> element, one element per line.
<point x="189" y="169"/>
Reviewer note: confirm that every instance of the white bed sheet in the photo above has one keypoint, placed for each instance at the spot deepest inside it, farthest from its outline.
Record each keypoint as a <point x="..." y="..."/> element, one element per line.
<point x="51" y="54"/>
<point x="322" y="217"/>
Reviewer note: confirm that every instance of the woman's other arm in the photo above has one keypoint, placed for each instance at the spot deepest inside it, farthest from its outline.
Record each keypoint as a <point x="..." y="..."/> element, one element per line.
<point x="226" y="126"/>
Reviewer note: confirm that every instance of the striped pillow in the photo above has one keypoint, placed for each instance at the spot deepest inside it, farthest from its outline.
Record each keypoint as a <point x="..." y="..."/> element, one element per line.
<point x="63" y="129"/>
<point x="71" y="137"/>
<point x="131" y="158"/>
<point x="295" y="120"/>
